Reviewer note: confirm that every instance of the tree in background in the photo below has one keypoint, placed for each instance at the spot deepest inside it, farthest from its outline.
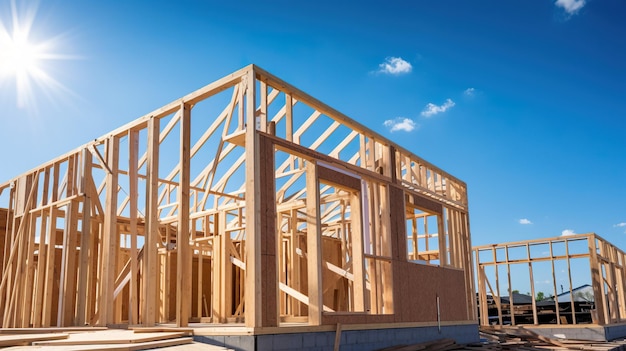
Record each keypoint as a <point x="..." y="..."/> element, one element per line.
<point x="540" y="296"/>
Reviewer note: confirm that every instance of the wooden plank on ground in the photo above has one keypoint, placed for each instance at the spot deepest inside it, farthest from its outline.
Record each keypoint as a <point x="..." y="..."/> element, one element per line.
<point x="20" y="340"/>
<point x="111" y="337"/>
<point x="149" y="345"/>
<point x="530" y="335"/>
<point x="12" y="331"/>
<point x="186" y="331"/>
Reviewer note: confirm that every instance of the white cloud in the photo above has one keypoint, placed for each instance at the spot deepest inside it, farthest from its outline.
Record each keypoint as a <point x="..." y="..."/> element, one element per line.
<point x="395" y="65"/>
<point x="570" y="6"/>
<point x="525" y="221"/>
<point x="469" y="92"/>
<point x="567" y="232"/>
<point x="400" y="123"/>
<point x="432" y="109"/>
<point x="622" y="224"/>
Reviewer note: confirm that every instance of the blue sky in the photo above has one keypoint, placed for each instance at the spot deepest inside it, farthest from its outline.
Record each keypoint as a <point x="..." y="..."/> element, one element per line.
<point x="523" y="100"/>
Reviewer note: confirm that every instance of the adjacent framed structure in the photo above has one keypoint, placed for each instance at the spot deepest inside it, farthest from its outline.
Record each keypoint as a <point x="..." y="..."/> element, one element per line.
<point x="566" y="280"/>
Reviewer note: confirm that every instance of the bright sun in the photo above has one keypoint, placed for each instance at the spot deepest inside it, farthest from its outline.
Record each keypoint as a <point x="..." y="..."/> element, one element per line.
<point x="20" y="56"/>
<point x="21" y="59"/>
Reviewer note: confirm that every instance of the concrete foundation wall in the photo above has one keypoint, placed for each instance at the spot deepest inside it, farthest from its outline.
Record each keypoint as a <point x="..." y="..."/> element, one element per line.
<point x="351" y="340"/>
<point x="613" y="332"/>
<point x="583" y="332"/>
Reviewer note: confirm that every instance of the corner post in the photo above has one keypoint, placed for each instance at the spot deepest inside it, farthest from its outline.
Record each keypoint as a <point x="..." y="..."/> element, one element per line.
<point x="253" y="282"/>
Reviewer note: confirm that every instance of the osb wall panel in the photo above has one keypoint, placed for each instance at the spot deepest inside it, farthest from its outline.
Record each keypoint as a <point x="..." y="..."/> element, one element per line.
<point x="205" y="299"/>
<point x="171" y="292"/>
<point x="421" y="285"/>
<point x="417" y="297"/>
<point x="58" y="254"/>
<point x="3" y="219"/>
<point x="3" y="231"/>
<point x="356" y="318"/>
<point x="398" y="224"/>
<point x="334" y="286"/>
<point x="269" y="272"/>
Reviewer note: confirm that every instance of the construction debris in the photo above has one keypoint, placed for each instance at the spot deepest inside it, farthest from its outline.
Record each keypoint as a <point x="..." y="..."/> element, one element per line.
<point x="512" y="339"/>
<point x="523" y="339"/>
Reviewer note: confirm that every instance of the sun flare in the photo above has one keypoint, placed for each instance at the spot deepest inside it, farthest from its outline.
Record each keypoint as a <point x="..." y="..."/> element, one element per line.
<point x="22" y="58"/>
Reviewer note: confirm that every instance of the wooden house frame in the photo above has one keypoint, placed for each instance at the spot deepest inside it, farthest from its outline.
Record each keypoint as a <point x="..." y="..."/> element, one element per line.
<point x="502" y="267"/>
<point x="246" y="201"/>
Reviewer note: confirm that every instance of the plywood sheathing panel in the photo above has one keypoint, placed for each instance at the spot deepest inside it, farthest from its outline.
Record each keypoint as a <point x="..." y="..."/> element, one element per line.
<point x="335" y="294"/>
<point x="425" y="284"/>
<point x="268" y="233"/>
<point x="357" y="318"/>
<point x="4" y="215"/>
<point x="398" y="227"/>
<point x="334" y="177"/>
<point x="171" y="295"/>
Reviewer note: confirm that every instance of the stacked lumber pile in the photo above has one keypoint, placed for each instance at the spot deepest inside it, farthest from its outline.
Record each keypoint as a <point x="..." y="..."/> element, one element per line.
<point x="512" y="339"/>
<point x="96" y="339"/>
<point x="519" y="338"/>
